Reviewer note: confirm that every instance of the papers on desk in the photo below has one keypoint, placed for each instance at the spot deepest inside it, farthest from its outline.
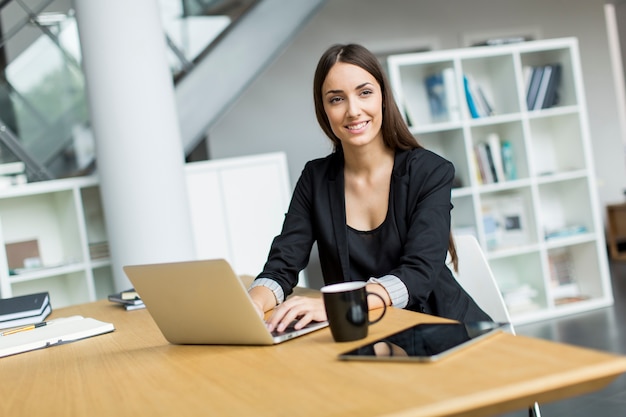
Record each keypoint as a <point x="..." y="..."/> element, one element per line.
<point x="53" y="332"/>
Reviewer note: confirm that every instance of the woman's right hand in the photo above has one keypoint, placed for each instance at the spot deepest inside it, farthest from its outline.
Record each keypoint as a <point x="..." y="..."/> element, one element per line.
<point x="304" y="310"/>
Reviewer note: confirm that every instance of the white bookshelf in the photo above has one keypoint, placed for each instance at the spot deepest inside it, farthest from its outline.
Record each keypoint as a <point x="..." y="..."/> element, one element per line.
<point x="553" y="195"/>
<point x="65" y="218"/>
<point x="237" y="206"/>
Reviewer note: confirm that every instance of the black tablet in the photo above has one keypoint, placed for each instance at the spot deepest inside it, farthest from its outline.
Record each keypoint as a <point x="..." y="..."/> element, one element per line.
<point x="425" y="342"/>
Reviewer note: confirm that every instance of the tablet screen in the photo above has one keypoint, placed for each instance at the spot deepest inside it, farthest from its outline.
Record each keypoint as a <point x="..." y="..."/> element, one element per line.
<point x="425" y="342"/>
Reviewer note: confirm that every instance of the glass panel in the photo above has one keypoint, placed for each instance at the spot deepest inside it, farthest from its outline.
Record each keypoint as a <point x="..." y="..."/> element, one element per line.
<point x="45" y="86"/>
<point x="190" y="33"/>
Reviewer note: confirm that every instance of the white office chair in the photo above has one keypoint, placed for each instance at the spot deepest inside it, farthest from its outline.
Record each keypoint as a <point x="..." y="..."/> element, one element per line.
<point x="476" y="278"/>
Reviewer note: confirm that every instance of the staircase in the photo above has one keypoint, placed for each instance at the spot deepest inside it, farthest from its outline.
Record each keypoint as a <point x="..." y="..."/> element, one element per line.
<point x="216" y="49"/>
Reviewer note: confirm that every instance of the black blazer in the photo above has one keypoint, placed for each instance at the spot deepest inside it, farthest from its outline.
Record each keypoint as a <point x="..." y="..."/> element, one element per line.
<point x="422" y="183"/>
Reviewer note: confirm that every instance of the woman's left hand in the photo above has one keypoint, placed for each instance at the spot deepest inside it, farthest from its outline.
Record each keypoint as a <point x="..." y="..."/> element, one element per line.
<point x="303" y="309"/>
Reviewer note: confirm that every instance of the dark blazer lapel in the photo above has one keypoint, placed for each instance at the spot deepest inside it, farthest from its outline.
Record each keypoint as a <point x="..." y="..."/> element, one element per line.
<point x="336" y="198"/>
<point x="400" y="184"/>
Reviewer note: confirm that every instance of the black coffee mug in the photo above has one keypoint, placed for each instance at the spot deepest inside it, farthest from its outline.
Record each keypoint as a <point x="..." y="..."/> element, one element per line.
<point x="347" y="310"/>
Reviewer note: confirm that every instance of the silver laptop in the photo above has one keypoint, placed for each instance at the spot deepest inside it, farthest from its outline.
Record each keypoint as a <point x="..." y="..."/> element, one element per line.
<point x="204" y="302"/>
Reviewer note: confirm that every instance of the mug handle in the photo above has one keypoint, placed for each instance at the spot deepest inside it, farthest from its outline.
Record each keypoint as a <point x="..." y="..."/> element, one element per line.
<point x="384" y="308"/>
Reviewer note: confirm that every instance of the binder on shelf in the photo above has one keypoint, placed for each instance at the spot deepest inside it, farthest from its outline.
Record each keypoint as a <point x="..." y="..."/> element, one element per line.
<point x="533" y="87"/>
<point x="546" y="75"/>
<point x="552" y="97"/>
<point x="58" y="331"/>
<point x="24" y="309"/>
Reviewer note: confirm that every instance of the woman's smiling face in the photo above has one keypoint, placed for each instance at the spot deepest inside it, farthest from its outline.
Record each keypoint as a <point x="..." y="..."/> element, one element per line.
<point x="353" y="104"/>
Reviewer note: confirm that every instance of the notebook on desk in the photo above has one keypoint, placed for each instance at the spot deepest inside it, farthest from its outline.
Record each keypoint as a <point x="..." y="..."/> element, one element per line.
<point x="204" y="302"/>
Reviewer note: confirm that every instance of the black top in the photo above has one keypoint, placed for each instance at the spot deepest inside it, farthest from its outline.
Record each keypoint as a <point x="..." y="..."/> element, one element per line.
<point x="373" y="253"/>
<point x="419" y="216"/>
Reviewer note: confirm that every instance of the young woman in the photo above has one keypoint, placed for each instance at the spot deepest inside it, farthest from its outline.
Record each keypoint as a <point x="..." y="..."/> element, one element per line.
<point x="378" y="206"/>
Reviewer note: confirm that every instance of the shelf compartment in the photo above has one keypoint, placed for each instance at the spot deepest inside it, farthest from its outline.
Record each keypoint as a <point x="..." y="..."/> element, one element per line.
<point x="572" y="272"/>
<point x="507" y="219"/>
<point x="520" y="278"/>
<point x="412" y="94"/>
<point x="495" y="75"/>
<point x="566" y="209"/>
<point x="49" y="218"/>
<point x="556" y="144"/>
<point x="511" y="133"/>
<point x="563" y="56"/>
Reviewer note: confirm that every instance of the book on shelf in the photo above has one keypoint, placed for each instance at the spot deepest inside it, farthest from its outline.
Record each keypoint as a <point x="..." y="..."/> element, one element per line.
<point x="24" y="309"/>
<point x="442" y="96"/>
<point x="508" y="161"/>
<point x="533" y="87"/>
<point x="477" y="102"/>
<point x="482" y="159"/>
<point x="565" y="231"/>
<point x="565" y="288"/>
<point x="495" y="149"/>
<point x="521" y="299"/>
<point x="494" y="158"/>
<point x="54" y="332"/>
<point x="552" y="91"/>
<point x="99" y="250"/>
<point x="12" y="173"/>
<point x="469" y="97"/>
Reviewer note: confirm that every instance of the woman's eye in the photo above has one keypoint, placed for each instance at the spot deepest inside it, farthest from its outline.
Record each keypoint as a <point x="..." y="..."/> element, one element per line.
<point x="367" y="92"/>
<point x="334" y="100"/>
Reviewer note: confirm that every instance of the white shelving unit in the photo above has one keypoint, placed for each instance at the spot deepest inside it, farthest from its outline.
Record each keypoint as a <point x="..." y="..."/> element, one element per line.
<point x="65" y="218"/>
<point x="237" y="206"/>
<point x="547" y="218"/>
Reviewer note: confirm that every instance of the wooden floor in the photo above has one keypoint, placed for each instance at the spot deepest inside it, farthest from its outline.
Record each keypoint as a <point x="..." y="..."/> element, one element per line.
<point x="603" y="329"/>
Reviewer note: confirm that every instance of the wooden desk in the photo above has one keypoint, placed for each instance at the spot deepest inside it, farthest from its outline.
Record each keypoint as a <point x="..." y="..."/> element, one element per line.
<point x="135" y="372"/>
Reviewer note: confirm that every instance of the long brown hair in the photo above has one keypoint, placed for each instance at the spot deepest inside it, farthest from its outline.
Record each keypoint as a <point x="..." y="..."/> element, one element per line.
<point x="396" y="134"/>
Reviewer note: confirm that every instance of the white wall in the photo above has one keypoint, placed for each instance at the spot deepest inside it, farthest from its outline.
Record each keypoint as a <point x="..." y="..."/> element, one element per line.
<point x="276" y="113"/>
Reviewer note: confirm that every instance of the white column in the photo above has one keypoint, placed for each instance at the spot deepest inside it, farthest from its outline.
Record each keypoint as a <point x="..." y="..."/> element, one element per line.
<point x="140" y="156"/>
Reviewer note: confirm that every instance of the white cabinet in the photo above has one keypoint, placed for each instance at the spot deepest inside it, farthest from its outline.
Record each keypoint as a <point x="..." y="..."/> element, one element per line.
<point x="237" y="206"/>
<point x="63" y="220"/>
<point x="540" y="226"/>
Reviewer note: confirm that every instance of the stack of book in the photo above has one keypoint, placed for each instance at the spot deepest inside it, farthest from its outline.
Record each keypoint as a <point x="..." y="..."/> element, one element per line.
<point x="494" y="160"/>
<point x="542" y="85"/>
<point x="24" y="310"/>
<point x="129" y="299"/>
<point x="12" y="173"/>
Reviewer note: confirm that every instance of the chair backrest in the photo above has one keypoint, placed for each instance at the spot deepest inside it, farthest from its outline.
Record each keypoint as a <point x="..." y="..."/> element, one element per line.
<point x="476" y="278"/>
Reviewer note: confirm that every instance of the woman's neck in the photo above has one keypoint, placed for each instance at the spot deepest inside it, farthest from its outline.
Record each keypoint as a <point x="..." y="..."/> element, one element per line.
<point x="367" y="160"/>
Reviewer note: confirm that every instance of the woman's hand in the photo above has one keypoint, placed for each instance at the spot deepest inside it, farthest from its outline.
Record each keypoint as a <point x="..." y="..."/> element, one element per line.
<point x="303" y="309"/>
